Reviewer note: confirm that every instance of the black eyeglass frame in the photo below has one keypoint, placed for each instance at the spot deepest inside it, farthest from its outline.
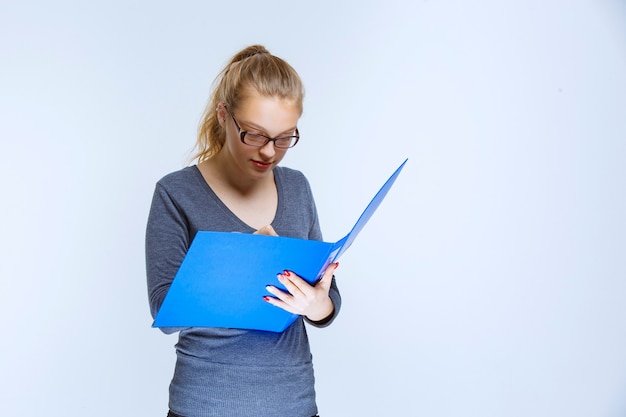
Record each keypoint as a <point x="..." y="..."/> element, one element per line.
<point x="242" y="134"/>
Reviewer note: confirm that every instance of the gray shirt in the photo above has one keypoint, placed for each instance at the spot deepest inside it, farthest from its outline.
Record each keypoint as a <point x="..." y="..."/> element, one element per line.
<point x="231" y="372"/>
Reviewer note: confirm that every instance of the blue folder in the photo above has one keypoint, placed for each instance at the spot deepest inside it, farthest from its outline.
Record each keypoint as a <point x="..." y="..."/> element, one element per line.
<point x="221" y="281"/>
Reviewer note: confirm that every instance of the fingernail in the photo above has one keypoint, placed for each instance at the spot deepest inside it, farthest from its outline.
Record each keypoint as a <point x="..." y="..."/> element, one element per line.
<point x="266" y="298"/>
<point x="279" y="276"/>
<point x="286" y="273"/>
<point x="336" y="265"/>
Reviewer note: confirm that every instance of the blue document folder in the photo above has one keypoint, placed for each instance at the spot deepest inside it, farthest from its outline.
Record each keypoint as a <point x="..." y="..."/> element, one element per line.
<point x="221" y="281"/>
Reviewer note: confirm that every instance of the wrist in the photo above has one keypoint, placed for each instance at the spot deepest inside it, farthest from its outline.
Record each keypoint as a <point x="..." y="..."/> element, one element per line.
<point x="324" y="314"/>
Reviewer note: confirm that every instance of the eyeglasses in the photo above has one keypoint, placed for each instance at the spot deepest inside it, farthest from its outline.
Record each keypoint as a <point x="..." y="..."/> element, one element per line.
<point x="258" y="140"/>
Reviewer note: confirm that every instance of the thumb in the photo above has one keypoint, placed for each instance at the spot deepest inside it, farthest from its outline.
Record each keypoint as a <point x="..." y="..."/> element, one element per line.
<point x="327" y="278"/>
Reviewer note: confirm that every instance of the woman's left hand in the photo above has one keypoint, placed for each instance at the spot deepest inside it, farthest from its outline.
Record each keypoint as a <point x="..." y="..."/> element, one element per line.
<point x="303" y="298"/>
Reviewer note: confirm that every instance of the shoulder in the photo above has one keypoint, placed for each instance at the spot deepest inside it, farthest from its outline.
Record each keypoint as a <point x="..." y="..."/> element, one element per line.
<point x="182" y="185"/>
<point x="291" y="177"/>
<point x="182" y="176"/>
<point x="184" y="181"/>
<point x="180" y="192"/>
<point x="293" y="186"/>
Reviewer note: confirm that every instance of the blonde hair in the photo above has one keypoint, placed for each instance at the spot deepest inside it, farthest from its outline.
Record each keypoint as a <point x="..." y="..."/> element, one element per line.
<point x="252" y="70"/>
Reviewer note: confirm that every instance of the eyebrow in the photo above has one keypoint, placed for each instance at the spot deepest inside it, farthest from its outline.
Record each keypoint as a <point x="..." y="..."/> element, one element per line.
<point x="262" y="129"/>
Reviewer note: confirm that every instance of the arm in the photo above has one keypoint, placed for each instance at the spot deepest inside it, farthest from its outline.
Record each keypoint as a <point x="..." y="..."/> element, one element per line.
<point x="319" y="304"/>
<point x="167" y="242"/>
<point x="333" y="292"/>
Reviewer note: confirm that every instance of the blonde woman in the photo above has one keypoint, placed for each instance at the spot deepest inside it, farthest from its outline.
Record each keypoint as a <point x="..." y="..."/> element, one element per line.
<point x="237" y="185"/>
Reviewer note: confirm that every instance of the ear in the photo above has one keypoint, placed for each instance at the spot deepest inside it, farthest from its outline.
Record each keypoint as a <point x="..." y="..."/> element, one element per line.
<point x="222" y="113"/>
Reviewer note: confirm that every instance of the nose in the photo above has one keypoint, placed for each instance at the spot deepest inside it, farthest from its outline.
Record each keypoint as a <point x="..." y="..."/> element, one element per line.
<point x="267" y="150"/>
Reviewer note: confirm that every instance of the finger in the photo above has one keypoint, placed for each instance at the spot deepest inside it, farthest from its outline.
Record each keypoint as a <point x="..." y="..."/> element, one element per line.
<point x="327" y="278"/>
<point x="293" y="283"/>
<point x="266" y="230"/>
<point x="278" y="293"/>
<point x="280" y="304"/>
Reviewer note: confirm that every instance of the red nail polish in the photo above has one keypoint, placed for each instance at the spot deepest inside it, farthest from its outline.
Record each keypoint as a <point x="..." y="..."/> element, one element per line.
<point x="266" y="298"/>
<point x="336" y="265"/>
<point x="286" y="273"/>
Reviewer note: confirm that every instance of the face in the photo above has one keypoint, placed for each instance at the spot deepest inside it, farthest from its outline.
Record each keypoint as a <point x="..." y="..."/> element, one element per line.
<point x="269" y="116"/>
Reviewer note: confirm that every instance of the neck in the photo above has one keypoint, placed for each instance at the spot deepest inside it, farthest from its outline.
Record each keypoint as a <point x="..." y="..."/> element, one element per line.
<point x="224" y="171"/>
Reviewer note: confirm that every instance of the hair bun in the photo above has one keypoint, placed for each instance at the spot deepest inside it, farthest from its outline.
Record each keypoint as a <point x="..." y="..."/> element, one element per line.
<point x="250" y="51"/>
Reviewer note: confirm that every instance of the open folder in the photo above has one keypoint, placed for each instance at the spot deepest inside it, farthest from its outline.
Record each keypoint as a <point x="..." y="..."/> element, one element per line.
<point x="221" y="281"/>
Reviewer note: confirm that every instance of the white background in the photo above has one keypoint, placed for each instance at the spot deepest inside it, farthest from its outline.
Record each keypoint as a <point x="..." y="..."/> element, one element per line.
<point x="492" y="280"/>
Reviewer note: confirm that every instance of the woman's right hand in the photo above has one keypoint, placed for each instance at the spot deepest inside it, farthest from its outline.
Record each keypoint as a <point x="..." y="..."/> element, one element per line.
<point x="266" y="230"/>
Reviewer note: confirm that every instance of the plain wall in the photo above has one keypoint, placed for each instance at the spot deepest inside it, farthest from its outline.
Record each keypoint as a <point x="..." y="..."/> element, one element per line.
<point x="492" y="280"/>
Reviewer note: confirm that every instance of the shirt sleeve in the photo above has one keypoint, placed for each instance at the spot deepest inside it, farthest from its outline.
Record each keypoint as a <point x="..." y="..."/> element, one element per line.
<point x="316" y="234"/>
<point x="167" y="242"/>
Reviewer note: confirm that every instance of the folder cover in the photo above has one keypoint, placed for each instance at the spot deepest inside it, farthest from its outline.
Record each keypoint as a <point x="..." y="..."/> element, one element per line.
<point x="221" y="281"/>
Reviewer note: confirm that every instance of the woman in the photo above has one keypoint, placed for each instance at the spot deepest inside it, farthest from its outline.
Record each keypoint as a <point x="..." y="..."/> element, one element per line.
<point x="237" y="186"/>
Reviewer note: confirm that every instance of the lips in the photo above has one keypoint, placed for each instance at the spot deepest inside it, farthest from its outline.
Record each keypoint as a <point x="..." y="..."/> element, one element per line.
<point x="261" y="164"/>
